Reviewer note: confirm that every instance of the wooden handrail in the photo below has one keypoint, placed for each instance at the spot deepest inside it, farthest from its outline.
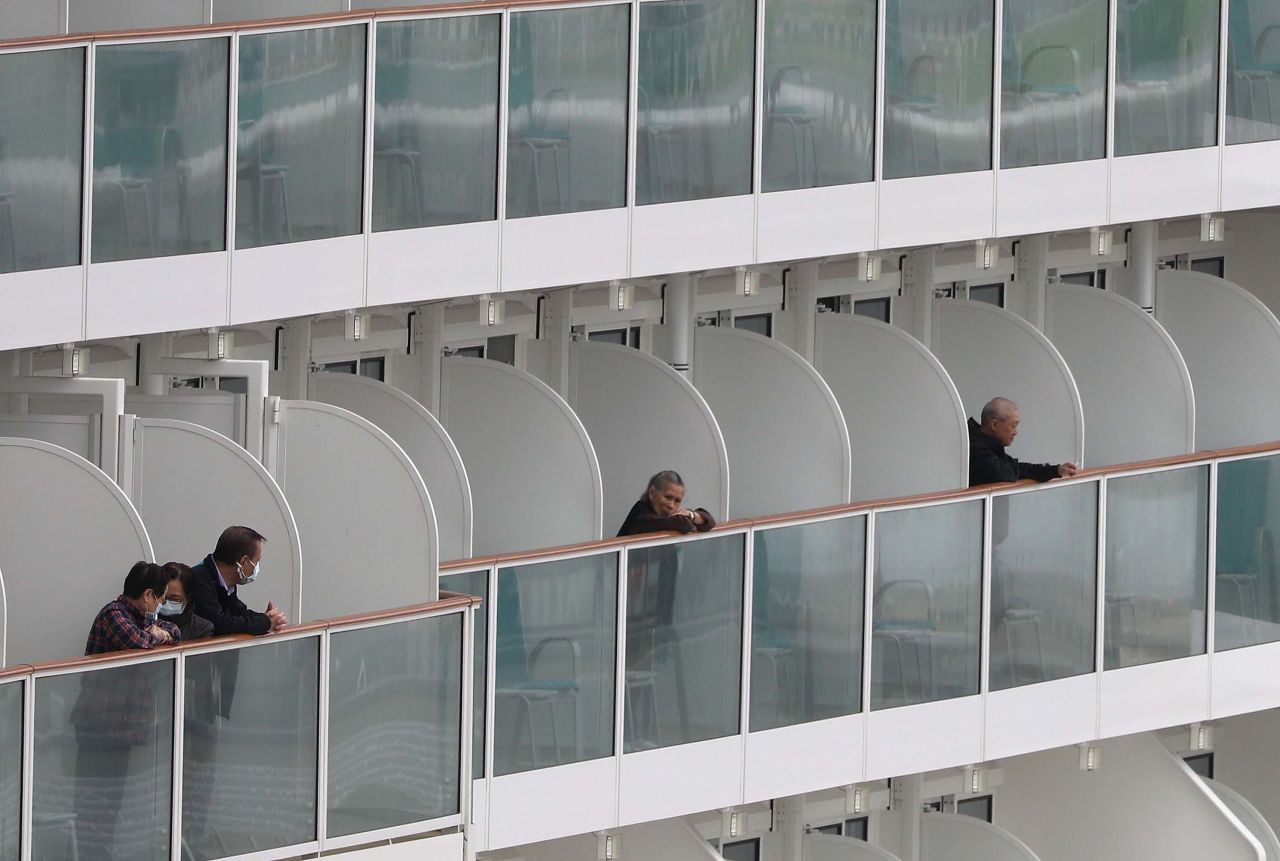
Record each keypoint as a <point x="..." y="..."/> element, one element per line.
<point x="316" y="20"/>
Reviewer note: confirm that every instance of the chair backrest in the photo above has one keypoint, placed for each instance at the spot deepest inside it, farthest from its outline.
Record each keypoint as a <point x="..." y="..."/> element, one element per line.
<point x="905" y="603"/>
<point x="511" y="659"/>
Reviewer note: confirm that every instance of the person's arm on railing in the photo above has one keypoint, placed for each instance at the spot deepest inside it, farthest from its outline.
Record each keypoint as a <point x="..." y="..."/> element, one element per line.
<point x="205" y="604"/>
<point x="122" y="631"/>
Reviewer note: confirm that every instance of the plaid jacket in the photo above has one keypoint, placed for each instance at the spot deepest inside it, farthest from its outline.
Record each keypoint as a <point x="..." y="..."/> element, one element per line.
<point x="119" y="627"/>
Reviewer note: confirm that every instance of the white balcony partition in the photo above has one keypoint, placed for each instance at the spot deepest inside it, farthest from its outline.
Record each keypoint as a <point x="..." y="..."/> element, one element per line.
<point x="1249" y="816"/>
<point x="362" y="510"/>
<point x="72" y="542"/>
<point x="1231" y="342"/>
<point x="644" y="417"/>
<point x="221" y="412"/>
<point x="1133" y="382"/>
<point x="785" y="432"/>
<point x="906" y="422"/>
<point x="189" y="483"/>
<point x="102" y="398"/>
<point x="1246" y="755"/>
<point x="1141" y="802"/>
<point x="78" y="434"/>
<point x="950" y="837"/>
<point x="822" y="847"/>
<point x="990" y="352"/>
<point x="514" y="432"/>
<point x="423" y="439"/>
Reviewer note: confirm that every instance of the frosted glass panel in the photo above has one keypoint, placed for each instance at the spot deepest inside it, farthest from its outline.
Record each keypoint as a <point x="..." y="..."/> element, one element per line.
<point x="696" y="100"/>
<point x="556" y="642"/>
<point x="435" y="138"/>
<point x="1044" y="566"/>
<point x="1253" y="57"/>
<point x="1054" y="99"/>
<point x="819" y="97"/>
<point x="567" y="128"/>
<point x="927" y="605"/>
<point x="160" y="149"/>
<point x="300" y="165"/>
<point x="11" y="717"/>
<point x="1248" y="588"/>
<point x="251" y="733"/>
<point x="1166" y="75"/>
<point x="938" y="67"/>
<point x="684" y="643"/>
<point x="1157" y="566"/>
<point x="395" y="705"/>
<point x="103" y="763"/>
<point x="806" y="634"/>
<point x="476" y="583"/>
<point x="41" y="158"/>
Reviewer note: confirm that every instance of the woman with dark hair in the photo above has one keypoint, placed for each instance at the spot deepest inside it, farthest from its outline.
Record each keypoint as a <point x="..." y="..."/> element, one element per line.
<point x="176" y="607"/>
<point x="661" y="509"/>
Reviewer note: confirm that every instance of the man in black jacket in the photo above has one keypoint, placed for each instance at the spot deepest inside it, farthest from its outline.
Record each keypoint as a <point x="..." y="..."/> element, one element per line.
<point x="988" y="462"/>
<point x="234" y="562"/>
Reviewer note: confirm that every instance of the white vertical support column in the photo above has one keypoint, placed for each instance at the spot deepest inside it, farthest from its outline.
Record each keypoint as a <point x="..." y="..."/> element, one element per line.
<point x="86" y="185"/>
<point x="788" y="823"/>
<point x="917" y="282"/>
<point x="428" y="350"/>
<point x="907" y="799"/>
<point x="678" y="310"/>
<point x="295" y="358"/>
<point x="153" y="349"/>
<point x="233" y="148"/>
<point x="366" y="191"/>
<point x="556" y="328"/>
<point x="1224" y="33"/>
<point x="802" y="306"/>
<point x="179" y="725"/>
<point x="1211" y="580"/>
<point x="1033" y="275"/>
<point x="1144" y="236"/>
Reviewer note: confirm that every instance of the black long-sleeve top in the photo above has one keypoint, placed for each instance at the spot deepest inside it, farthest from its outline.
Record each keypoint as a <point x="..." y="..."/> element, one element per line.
<point x="643" y="519"/>
<point x="989" y="464"/>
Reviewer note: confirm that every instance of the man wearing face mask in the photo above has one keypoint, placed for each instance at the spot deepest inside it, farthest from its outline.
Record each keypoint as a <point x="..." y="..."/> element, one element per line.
<point x="236" y="561"/>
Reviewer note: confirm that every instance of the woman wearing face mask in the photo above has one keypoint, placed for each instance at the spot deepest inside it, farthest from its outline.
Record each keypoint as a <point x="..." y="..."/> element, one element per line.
<point x="176" y="606"/>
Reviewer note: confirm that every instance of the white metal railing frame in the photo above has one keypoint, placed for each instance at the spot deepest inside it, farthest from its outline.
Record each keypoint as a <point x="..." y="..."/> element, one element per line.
<point x="371" y="18"/>
<point x="29" y="677"/>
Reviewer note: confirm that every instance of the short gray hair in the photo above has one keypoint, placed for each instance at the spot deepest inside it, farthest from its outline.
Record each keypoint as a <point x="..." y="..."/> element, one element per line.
<point x="997" y="408"/>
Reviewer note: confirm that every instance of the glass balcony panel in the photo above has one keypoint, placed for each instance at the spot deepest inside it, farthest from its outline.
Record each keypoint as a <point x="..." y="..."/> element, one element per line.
<point x="819" y="95"/>
<point x="938" y="68"/>
<point x="395" y="733"/>
<point x="1253" y="61"/>
<point x="556" y="647"/>
<point x="476" y="583"/>
<point x="435" y="137"/>
<point x="41" y="158"/>
<point x="160" y="149"/>
<point x="102" y="784"/>
<point x="806" y="634"/>
<point x="299" y="160"/>
<point x="1054" y="82"/>
<point x="11" y="719"/>
<point x="1044" y="567"/>
<point x="927" y="604"/>
<point x="251" y="734"/>
<point x="1166" y="75"/>
<point x="684" y="643"/>
<point x="1247" y="584"/>
<point x="1157" y="566"/>
<point x="567" y="118"/>
<point x="696" y="100"/>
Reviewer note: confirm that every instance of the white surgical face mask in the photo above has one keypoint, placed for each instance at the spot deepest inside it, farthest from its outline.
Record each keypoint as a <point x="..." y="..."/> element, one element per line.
<point x="172" y="608"/>
<point x="247" y="579"/>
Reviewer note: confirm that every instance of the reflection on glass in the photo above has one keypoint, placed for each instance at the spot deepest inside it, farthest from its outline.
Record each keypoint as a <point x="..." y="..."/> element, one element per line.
<point x="1253" y="58"/>
<point x="476" y="583"/>
<point x="41" y="158"/>
<point x="251" y="732"/>
<point x="103" y="762"/>
<point x="684" y="643"/>
<point x="1166" y="75"/>
<point x="819" y="96"/>
<point x="927" y="605"/>
<point x="938" y="66"/>
<point x="806" y="622"/>
<point x="696" y="100"/>
<point x="1054" y="81"/>
<point x="299" y="161"/>
<point x="554" y="679"/>
<point x="10" y="770"/>
<point x="1157" y="566"/>
<point x="435" y="136"/>
<point x="395" y="705"/>
<point x="1248" y="589"/>
<point x="567" y="119"/>
<point x="160" y="149"/>
<point x="1044" y="564"/>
